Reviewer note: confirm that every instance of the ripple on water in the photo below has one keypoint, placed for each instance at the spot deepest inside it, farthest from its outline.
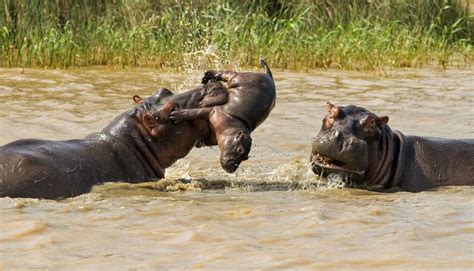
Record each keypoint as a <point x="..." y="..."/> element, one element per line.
<point x="18" y="230"/>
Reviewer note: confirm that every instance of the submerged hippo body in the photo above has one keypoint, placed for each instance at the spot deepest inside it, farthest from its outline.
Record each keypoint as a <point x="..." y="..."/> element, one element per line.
<point x="137" y="146"/>
<point x="360" y="146"/>
<point x="251" y="98"/>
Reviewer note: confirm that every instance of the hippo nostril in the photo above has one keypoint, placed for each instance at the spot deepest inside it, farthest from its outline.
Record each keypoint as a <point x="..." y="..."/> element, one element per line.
<point x="338" y="135"/>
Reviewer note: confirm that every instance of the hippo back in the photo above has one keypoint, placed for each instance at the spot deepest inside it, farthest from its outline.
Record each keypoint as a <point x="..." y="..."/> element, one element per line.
<point x="192" y="98"/>
<point x="251" y="98"/>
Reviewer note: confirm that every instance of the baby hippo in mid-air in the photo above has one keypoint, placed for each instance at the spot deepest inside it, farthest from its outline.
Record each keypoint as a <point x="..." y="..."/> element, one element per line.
<point x="360" y="146"/>
<point x="250" y="99"/>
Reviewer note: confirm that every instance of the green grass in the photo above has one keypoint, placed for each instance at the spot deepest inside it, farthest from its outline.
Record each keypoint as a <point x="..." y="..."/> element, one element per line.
<point x="357" y="34"/>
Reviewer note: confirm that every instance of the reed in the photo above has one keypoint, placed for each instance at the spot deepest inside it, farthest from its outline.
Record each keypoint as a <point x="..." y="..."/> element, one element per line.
<point x="357" y="34"/>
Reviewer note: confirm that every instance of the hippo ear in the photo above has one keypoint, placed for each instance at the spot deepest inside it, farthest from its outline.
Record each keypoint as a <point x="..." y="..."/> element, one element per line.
<point x="382" y="120"/>
<point x="137" y="99"/>
<point x="329" y="106"/>
<point x="149" y="121"/>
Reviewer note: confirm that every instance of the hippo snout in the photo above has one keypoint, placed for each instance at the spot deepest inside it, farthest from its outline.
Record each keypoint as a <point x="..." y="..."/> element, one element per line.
<point x="230" y="165"/>
<point x="347" y="149"/>
<point x="328" y="142"/>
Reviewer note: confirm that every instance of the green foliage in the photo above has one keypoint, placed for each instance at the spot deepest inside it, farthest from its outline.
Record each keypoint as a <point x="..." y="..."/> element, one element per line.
<point x="360" y="34"/>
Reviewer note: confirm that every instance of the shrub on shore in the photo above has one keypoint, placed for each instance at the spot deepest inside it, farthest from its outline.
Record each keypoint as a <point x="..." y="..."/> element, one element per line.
<point x="357" y="34"/>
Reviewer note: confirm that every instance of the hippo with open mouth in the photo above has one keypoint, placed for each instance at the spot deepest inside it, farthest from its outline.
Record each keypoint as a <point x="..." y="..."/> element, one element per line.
<point x="359" y="146"/>
<point x="137" y="146"/>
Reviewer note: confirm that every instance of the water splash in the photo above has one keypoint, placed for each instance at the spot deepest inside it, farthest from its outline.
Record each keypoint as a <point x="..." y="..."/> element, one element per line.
<point x="204" y="59"/>
<point x="335" y="181"/>
<point x="195" y="63"/>
<point x="294" y="175"/>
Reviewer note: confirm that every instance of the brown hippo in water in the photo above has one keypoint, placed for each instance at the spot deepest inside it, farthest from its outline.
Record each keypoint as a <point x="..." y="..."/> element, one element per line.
<point x="360" y="146"/>
<point x="251" y="98"/>
<point x="137" y="146"/>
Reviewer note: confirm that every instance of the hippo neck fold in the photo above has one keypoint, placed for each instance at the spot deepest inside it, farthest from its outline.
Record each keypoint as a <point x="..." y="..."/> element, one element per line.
<point x="398" y="163"/>
<point x="384" y="157"/>
<point x="131" y="133"/>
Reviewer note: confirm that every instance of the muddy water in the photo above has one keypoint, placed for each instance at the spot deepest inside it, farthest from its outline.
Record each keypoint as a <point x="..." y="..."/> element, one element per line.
<point x="256" y="221"/>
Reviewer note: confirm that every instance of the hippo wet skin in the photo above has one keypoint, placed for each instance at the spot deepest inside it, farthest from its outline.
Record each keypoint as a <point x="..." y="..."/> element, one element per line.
<point x="137" y="146"/>
<point x="251" y="98"/>
<point x="207" y="95"/>
<point x="359" y="146"/>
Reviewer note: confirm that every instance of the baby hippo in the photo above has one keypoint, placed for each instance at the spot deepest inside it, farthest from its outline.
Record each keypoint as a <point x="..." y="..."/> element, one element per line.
<point x="251" y="97"/>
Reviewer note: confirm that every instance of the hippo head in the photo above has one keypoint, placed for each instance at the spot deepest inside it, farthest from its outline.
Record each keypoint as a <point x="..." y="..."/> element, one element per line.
<point x="350" y="143"/>
<point x="235" y="147"/>
<point x="153" y="113"/>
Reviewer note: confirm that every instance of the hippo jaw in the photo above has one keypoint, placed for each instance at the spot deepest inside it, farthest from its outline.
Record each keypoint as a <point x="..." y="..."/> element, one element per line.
<point x="324" y="165"/>
<point x="336" y="152"/>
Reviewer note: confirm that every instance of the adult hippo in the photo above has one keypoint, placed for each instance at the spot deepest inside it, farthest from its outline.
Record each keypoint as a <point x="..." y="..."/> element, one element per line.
<point x="251" y="98"/>
<point x="359" y="146"/>
<point x="137" y="146"/>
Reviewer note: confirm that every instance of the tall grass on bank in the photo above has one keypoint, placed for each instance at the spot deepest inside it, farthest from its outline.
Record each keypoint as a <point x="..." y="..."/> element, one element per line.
<point x="360" y="34"/>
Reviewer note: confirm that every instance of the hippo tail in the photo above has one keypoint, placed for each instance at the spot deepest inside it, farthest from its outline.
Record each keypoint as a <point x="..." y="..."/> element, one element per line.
<point x="266" y="67"/>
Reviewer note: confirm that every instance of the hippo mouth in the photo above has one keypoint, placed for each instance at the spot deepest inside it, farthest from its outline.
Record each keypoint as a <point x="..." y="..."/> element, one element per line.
<point x="230" y="165"/>
<point x="323" y="165"/>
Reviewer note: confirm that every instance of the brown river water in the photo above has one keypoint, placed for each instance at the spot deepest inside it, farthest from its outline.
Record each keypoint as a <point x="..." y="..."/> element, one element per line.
<point x="272" y="214"/>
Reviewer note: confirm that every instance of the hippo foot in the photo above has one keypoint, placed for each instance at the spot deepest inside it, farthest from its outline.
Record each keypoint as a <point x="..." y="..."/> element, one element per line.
<point x="178" y="115"/>
<point x="210" y="75"/>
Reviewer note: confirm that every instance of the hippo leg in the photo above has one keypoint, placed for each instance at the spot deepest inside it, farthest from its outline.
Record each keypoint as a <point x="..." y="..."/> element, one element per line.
<point x="209" y="101"/>
<point x="224" y="76"/>
<point x="179" y="114"/>
<point x="210" y="141"/>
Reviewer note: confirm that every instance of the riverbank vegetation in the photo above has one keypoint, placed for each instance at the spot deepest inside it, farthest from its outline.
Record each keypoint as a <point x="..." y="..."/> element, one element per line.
<point x="357" y="34"/>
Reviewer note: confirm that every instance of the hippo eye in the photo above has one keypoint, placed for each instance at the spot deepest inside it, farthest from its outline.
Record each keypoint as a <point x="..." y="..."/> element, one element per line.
<point x="240" y="150"/>
<point x="368" y="121"/>
<point x="370" y="126"/>
<point x="371" y="122"/>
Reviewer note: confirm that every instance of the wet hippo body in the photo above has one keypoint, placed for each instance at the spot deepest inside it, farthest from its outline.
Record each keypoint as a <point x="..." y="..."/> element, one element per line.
<point x="360" y="146"/>
<point x="426" y="162"/>
<point x="55" y="169"/>
<point x="251" y="97"/>
<point x="137" y="146"/>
